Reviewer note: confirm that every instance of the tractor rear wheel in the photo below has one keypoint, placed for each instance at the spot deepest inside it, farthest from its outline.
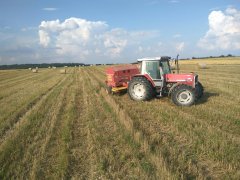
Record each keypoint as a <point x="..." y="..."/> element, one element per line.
<point x="140" y="89"/>
<point x="199" y="90"/>
<point x="183" y="95"/>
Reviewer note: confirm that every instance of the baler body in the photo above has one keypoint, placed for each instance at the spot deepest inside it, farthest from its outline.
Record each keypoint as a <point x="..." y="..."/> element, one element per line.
<point x="119" y="76"/>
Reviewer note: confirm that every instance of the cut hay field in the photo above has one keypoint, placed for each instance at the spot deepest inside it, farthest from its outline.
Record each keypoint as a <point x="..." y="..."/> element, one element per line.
<point x="64" y="126"/>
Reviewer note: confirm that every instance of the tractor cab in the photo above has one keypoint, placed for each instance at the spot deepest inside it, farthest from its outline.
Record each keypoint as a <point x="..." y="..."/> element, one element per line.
<point x="155" y="67"/>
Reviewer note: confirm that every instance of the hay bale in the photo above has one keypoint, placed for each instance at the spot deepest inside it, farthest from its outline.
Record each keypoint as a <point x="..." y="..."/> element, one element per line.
<point x="202" y="66"/>
<point x="35" y="70"/>
<point x="30" y="69"/>
<point x="54" y="67"/>
<point x="63" y="71"/>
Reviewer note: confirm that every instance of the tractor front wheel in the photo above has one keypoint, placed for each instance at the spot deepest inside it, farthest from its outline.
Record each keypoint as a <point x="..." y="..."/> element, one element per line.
<point x="140" y="89"/>
<point x="183" y="95"/>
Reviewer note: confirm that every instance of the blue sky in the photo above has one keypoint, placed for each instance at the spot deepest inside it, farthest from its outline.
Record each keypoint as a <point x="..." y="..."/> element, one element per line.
<point x="111" y="31"/>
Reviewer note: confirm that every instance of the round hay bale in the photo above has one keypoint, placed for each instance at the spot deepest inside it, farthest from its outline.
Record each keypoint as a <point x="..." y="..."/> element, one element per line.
<point x="202" y="66"/>
<point x="35" y="70"/>
<point x="30" y="69"/>
<point x="63" y="71"/>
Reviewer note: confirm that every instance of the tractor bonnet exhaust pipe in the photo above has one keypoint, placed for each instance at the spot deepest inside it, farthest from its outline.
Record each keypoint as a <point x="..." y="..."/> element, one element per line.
<point x="176" y="64"/>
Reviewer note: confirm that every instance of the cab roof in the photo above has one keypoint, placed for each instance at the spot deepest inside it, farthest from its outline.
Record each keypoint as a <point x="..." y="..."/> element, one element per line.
<point x="154" y="58"/>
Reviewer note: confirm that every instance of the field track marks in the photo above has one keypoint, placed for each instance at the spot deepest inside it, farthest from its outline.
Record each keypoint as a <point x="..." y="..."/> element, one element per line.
<point x="81" y="162"/>
<point x="18" y="120"/>
<point x="21" y="150"/>
<point x="8" y="90"/>
<point x="25" y="77"/>
<point x="10" y="76"/>
<point x="53" y="154"/>
<point x="154" y="163"/>
<point x="127" y="122"/>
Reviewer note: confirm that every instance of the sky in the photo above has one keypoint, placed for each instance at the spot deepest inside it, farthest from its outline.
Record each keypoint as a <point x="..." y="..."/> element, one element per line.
<point x="116" y="31"/>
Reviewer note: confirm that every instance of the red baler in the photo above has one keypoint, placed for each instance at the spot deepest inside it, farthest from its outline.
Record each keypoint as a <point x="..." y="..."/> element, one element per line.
<point x="119" y="76"/>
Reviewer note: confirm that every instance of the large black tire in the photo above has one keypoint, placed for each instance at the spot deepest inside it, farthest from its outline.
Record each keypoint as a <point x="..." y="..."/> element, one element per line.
<point x="183" y="95"/>
<point x="199" y="90"/>
<point x="140" y="89"/>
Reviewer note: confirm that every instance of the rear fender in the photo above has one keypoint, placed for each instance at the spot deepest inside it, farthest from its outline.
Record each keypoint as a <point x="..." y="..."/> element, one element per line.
<point x="147" y="77"/>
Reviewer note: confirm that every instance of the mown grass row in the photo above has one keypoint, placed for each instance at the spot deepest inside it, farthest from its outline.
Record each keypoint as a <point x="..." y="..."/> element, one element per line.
<point x="8" y="76"/>
<point x="118" y="154"/>
<point x="10" y="91"/>
<point x="137" y="134"/>
<point x="20" y="102"/>
<point x="55" y="158"/>
<point x="21" y="152"/>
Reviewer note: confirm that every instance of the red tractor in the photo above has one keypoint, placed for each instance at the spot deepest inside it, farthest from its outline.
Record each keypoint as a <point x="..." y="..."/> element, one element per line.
<point x="153" y="77"/>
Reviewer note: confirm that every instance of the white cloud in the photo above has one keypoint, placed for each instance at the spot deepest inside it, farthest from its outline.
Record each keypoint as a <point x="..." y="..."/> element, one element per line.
<point x="49" y="9"/>
<point x="28" y="29"/>
<point x="224" y="31"/>
<point x="174" y="1"/>
<point x="44" y="38"/>
<point x="115" y="41"/>
<point x="180" y="46"/>
<point x="177" y="35"/>
<point x="79" y="38"/>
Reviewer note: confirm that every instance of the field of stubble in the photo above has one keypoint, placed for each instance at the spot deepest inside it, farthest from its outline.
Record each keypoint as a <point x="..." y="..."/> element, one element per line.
<point x="61" y="126"/>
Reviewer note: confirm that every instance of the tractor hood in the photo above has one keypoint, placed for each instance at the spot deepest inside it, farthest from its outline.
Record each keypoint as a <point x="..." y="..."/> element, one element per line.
<point x="189" y="78"/>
